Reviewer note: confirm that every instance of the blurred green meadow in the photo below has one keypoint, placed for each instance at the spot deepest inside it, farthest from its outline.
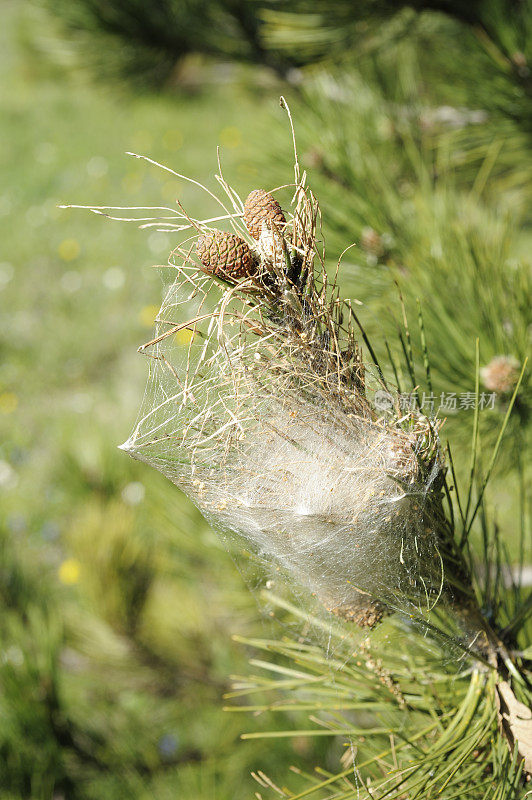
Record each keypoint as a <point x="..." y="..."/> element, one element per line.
<point x="118" y="602"/>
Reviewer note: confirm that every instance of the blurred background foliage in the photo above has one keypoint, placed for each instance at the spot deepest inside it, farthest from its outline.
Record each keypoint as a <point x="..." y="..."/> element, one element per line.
<point x="414" y="123"/>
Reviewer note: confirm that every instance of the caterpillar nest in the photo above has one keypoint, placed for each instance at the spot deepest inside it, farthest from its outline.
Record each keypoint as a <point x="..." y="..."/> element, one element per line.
<point x="259" y="407"/>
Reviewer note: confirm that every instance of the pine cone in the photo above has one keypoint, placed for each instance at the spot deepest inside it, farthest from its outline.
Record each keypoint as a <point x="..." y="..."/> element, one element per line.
<point x="226" y="255"/>
<point x="260" y="206"/>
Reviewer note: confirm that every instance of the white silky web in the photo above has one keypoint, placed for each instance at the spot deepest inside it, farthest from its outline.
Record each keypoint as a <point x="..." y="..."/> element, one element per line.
<point x="249" y="421"/>
<point x="259" y="407"/>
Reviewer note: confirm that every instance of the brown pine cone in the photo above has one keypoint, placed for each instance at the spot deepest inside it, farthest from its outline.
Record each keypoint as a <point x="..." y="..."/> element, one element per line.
<point x="260" y="206"/>
<point x="226" y="255"/>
